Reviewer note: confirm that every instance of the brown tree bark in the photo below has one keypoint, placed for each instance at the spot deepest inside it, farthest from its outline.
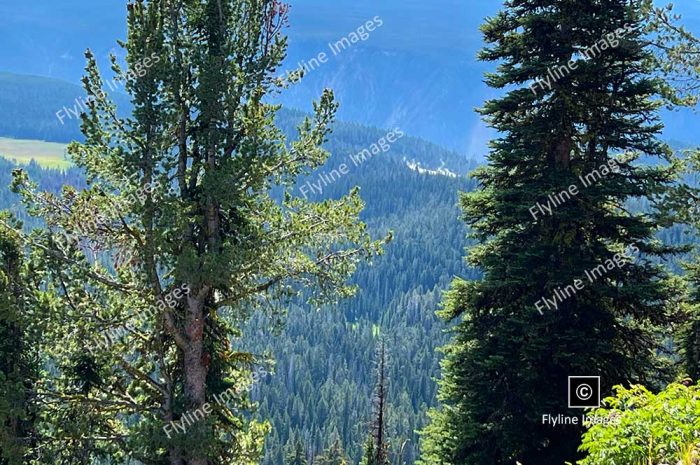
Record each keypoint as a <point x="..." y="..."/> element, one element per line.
<point x="194" y="369"/>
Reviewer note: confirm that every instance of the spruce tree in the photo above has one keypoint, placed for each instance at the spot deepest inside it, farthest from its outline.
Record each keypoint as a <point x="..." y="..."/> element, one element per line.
<point x="190" y="224"/>
<point x="577" y="99"/>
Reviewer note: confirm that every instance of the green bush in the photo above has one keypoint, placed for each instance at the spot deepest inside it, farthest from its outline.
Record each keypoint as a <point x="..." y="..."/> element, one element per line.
<point x="644" y="428"/>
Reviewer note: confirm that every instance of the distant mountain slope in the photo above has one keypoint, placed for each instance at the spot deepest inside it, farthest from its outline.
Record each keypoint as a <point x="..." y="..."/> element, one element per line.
<point x="31" y="104"/>
<point x="413" y="71"/>
<point x="325" y="356"/>
<point x="417" y="70"/>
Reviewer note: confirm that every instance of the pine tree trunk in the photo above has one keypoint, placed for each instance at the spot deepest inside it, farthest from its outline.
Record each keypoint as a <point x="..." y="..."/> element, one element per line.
<point x="195" y="371"/>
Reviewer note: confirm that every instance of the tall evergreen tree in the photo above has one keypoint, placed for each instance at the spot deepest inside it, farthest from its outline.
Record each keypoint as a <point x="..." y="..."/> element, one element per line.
<point x="577" y="110"/>
<point x="189" y="224"/>
<point x="18" y="360"/>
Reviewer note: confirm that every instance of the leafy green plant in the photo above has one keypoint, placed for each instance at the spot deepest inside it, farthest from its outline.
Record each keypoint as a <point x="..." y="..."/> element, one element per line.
<point x="646" y="428"/>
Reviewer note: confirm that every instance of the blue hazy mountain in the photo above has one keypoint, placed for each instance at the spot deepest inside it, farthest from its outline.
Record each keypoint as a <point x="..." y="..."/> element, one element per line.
<point x="47" y="109"/>
<point x="417" y="70"/>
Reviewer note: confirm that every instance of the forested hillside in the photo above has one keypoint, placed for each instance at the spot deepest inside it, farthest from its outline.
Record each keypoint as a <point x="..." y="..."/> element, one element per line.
<point x="39" y="100"/>
<point x="325" y="357"/>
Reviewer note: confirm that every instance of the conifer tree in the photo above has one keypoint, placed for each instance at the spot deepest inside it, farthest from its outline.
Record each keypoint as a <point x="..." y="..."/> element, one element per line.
<point x="18" y="359"/>
<point x="684" y="205"/>
<point x="189" y="225"/>
<point x="577" y="110"/>
<point x="297" y="454"/>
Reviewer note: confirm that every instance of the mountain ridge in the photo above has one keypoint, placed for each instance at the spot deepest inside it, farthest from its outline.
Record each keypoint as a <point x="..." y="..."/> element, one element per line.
<point x="38" y="99"/>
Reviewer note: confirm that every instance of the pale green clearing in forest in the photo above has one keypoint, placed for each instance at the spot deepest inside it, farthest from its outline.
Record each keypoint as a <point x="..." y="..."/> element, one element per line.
<point x="46" y="154"/>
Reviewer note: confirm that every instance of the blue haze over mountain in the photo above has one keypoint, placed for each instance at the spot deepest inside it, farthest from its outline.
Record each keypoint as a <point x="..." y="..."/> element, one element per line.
<point x="418" y="71"/>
